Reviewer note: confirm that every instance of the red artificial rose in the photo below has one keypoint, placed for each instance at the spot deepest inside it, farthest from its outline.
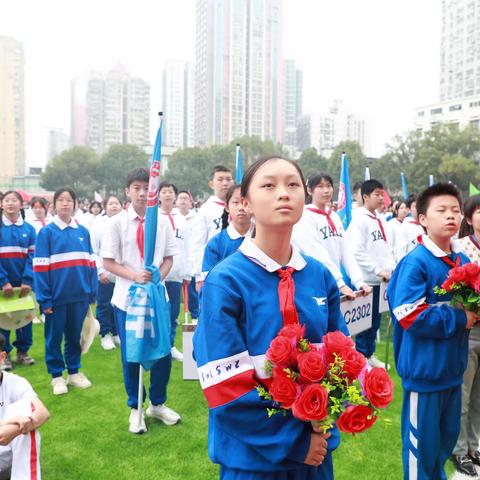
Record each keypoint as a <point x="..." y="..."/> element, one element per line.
<point x="447" y="284"/>
<point x="378" y="387"/>
<point x="336" y="342"/>
<point x="472" y="272"/>
<point x="280" y="351"/>
<point x="312" y="403"/>
<point x="293" y="330"/>
<point x="283" y="389"/>
<point x="356" y="419"/>
<point x="457" y="274"/>
<point x="312" y="366"/>
<point x="354" y="363"/>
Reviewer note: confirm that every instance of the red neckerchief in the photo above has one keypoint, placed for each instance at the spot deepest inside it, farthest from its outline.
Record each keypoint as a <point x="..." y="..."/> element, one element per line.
<point x="414" y="222"/>
<point x="374" y="217"/>
<point x="474" y="241"/>
<point x="327" y="214"/>
<point x="446" y="259"/>
<point x="170" y="217"/>
<point x="140" y="236"/>
<point x="222" y="204"/>
<point x="286" y="294"/>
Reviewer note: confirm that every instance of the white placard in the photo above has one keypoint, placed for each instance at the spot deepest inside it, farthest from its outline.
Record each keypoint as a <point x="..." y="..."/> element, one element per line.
<point x="357" y="313"/>
<point x="383" y="302"/>
<point x="189" y="364"/>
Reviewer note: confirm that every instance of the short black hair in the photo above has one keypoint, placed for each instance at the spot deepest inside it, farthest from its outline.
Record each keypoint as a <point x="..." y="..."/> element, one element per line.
<point x="137" y="175"/>
<point x="314" y="180"/>
<point x="357" y="186"/>
<point x="98" y="204"/>
<point x="369" y="186"/>
<point x="168" y="185"/>
<point x="412" y="198"/>
<point x="219" y="168"/>
<point x="64" y="190"/>
<point x="2" y="342"/>
<point x="437" y="190"/>
<point x="184" y="191"/>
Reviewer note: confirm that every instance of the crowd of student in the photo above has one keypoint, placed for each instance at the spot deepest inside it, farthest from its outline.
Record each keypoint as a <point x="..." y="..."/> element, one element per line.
<point x="267" y="252"/>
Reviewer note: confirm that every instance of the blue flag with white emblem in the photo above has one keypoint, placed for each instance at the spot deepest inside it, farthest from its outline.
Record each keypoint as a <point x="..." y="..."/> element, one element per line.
<point x="344" y="204"/>
<point x="148" y="313"/>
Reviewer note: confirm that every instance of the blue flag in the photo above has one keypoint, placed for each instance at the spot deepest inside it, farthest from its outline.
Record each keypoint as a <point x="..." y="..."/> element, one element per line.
<point x="344" y="203"/>
<point x="238" y="164"/>
<point x="148" y="316"/>
<point x="404" y="185"/>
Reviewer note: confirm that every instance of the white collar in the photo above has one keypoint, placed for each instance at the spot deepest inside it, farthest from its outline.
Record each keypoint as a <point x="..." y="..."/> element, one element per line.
<point x="7" y="222"/>
<point x="435" y="250"/>
<point x="258" y="256"/>
<point x="312" y="205"/>
<point x="132" y="214"/>
<point x="172" y="213"/>
<point x="368" y="212"/>
<point x="62" y="225"/>
<point x="216" y="200"/>
<point x="235" y="235"/>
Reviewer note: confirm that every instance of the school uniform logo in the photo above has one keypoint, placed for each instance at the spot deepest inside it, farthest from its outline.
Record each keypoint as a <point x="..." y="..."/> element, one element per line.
<point x="320" y="300"/>
<point x="377" y="235"/>
<point x="327" y="232"/>
<point x="218" y="223"/>
<point x="24" y="235"/>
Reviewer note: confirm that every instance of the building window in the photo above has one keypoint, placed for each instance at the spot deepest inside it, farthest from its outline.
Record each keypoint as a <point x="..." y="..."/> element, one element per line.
<point x="454" y="108"/>
<point x="421" y="114"/>
<point x="436" y="111"/>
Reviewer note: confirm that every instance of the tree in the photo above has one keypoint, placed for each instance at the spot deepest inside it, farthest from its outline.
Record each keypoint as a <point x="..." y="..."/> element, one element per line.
<point x="312" y="162"/>
<point x="115" y="165"/>
<point x="76" y="168"/>
<point x="459" y="170"/>
<point x="357" y="161"/>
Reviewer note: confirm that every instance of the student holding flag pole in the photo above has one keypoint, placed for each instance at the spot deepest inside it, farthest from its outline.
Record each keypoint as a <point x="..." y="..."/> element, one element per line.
<point x="138" y="248"/>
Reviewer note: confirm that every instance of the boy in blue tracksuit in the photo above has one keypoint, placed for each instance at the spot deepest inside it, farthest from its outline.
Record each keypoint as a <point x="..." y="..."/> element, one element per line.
<point x="17" y="244"/>
<point x="430" y="337"/>
<point x="65" y="282"/>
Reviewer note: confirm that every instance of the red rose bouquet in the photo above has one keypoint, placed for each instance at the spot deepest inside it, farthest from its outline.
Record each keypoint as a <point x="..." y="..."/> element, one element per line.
<point x="463" y="283"/>
<point x="324" y="383"/>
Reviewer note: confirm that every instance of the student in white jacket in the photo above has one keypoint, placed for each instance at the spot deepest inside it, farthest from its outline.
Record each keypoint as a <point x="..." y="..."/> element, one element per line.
<point x="208" y="220"/>
<point x="366" y="237"/>
<point x="395" y="231"/>
<point x="320" y="234"/>
<point x="412" y="229"/>
<point x="181" y="267"/>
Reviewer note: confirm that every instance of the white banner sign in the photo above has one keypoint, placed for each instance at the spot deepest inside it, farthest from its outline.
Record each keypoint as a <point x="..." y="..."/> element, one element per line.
<point x="383" y="303"/>
<point x="189" y="364"/>
<point x="357" y="313"/>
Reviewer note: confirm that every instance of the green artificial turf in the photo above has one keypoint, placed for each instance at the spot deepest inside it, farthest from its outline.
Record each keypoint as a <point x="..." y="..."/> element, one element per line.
<point x="87" y="435"/>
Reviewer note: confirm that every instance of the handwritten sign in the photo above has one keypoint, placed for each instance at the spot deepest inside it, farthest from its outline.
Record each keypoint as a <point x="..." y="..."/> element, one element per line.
<point x="357" y="313"/>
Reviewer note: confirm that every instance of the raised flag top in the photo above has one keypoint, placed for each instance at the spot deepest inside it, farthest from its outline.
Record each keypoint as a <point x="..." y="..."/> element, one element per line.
<point x="431" y="180"/>
<point x="367" y="173"/>
<point x="344" y="203"/>
<point x="238" y="164"/>
<point x="404" y="185"/>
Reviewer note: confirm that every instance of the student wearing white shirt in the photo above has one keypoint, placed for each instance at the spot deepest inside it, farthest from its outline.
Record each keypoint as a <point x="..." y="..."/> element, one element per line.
<point x="21" y="415"/>
<point x="181" y="268"/>
<point x="395" y="230"/>
<point x="106" y="281"/>
<point x="122" y="252"/>
<point x="412" y="229"/>
<point x="366" y="237"/>
<point x="184" y="205"/>
<point x="208" y="221"/>
<point x="320" y="234"/>
<point x="38" y="218"/>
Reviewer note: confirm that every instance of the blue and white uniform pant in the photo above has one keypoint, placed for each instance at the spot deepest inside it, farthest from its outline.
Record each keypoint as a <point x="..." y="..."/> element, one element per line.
<point x="193" y="298"/>
<point x="159" y="373"/>
<point x="365" y="342"/>
<point x="174" y="291"/>
<point x="430" y="427"/>
<point x="65" y="321"/>
<point x="306" y="472"/>
<point x="24" y="339"/>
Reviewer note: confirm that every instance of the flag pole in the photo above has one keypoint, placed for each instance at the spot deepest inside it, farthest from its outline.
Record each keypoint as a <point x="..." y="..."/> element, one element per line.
<point x="140" y="395"/>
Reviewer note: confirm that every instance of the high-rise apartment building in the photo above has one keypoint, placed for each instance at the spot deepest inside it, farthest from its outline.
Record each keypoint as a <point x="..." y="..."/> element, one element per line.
<point x="12" y="108"/>
<point x="239" y="70"/>
<point x="460" y="47"/>
<point x="57" y="142"/>
<point x="292" y="104"/>
<point x="110" y="109"/>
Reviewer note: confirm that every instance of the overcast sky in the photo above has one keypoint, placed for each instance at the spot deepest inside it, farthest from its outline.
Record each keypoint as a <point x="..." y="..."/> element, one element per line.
<point x="380" y="56"/>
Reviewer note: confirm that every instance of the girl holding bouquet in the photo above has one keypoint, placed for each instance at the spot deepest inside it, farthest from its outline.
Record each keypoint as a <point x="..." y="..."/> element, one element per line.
<point x="17" y="244"/>
<point x="246" y="299"/>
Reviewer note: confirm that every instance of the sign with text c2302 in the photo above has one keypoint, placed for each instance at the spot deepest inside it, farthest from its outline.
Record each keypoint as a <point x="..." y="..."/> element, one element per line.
<point x="357" y="313"/>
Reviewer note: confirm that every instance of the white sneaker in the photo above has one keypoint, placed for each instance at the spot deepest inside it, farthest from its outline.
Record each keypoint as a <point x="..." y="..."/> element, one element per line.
<point x="163" y="413"/>
<point x="116" y="340"/>
<point x="79" y="380"/>
<point x="374" y="362"/>
<point x="59" y="386"/>
<point x="133" y="426"/>
<point x="176" y="354"/>
<point x="107" y="342"/>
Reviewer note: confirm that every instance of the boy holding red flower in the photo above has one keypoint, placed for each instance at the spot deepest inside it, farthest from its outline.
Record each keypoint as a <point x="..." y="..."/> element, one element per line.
<point x="430" y="337"/>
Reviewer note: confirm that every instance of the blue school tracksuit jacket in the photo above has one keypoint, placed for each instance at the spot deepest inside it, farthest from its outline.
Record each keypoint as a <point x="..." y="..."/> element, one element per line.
<point x="218" y="248"/>
<point x="431" y="348"/>
<point x="17" y="244"/>
<point x="64" y="266"/>
<point x="239" y="317"/>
